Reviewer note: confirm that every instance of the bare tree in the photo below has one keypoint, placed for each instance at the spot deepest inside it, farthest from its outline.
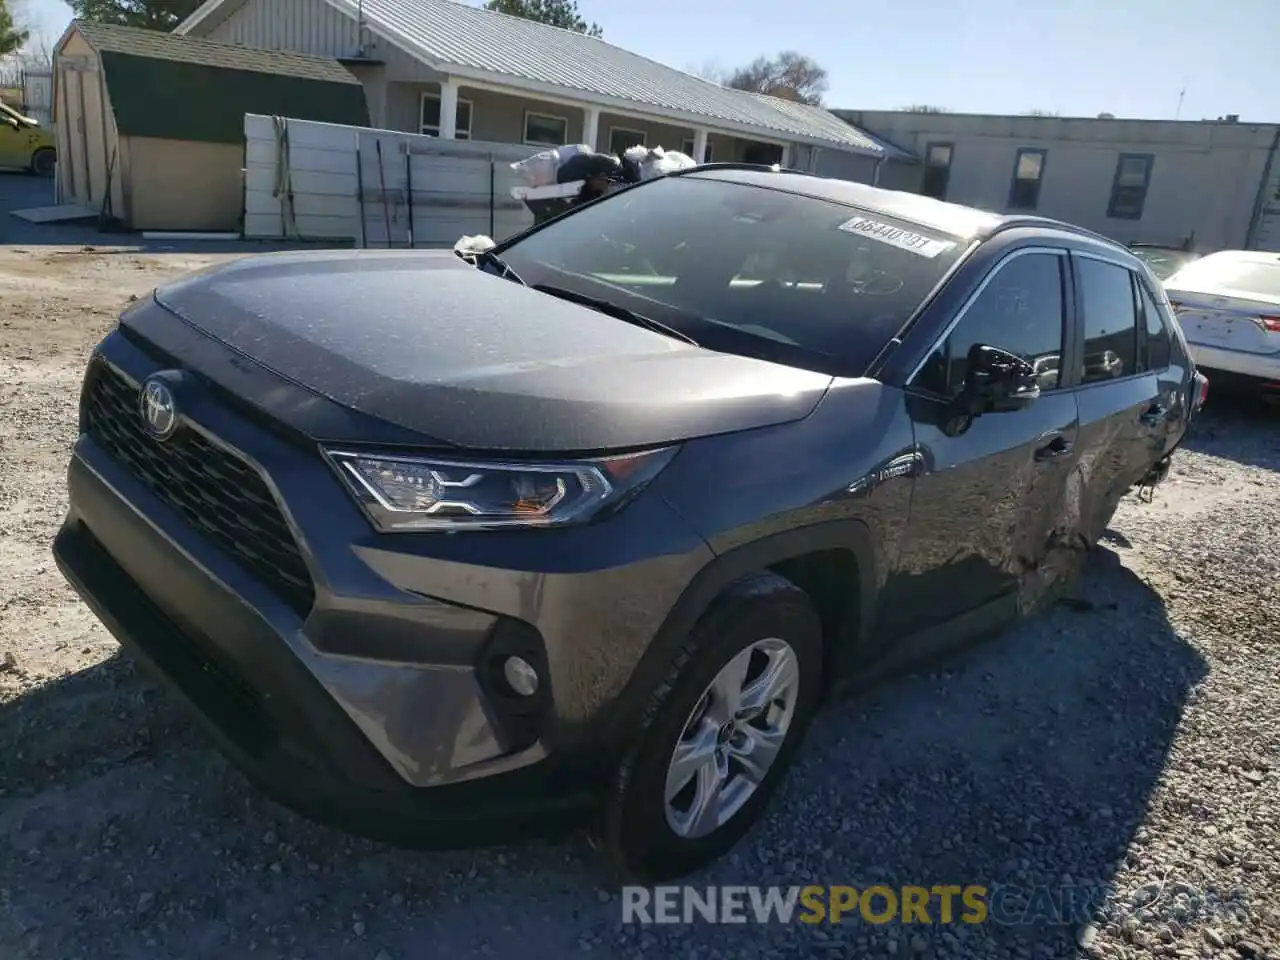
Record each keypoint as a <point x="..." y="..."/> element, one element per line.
<point x="38" y="51"/>
<point x="1037" y="112"/>
<point x="789" y="75"/>
<point x="925" y="108"/>
<point x="711" y="70"/>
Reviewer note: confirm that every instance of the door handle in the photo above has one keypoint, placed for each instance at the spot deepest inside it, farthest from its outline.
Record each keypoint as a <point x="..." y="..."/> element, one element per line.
<point x="1056" y="447"/>
<point x="1155" y="415"/>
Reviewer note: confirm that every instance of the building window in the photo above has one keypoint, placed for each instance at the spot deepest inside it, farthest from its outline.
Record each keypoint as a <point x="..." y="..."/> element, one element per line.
<point x="1028" y="171"/>
<point x="1129" y="190"/>
<point x="429" y="121"/>
<point x="620" y="138"/>
<point x="687" y="149"/>
<point x="937" y="170"/>
<point x="544" y="130"/>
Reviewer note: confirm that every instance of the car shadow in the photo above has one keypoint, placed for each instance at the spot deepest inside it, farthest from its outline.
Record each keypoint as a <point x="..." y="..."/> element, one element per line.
<point x="1239" y="426"/>
<point x="1024" y="766"/>
<point x="1023" y="760"/>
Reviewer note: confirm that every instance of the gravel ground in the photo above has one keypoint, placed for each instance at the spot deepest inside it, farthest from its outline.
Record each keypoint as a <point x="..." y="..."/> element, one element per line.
<point x="1128" y="739"/>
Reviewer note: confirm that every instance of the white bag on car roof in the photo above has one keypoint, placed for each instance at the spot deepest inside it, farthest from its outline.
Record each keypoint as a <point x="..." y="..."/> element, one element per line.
<point x="651" y="162"/>
<point x="540" y="169"/>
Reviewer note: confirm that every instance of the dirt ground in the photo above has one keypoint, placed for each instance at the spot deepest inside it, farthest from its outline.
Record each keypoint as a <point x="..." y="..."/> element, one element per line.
<point x="1130" y="739"/>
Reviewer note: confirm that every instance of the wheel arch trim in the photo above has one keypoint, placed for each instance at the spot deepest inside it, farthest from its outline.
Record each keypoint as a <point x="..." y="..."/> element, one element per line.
<point x="624" y="716"/>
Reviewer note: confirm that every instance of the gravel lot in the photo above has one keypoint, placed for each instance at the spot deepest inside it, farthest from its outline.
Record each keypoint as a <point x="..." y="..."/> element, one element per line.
<point x="1131" y="738"/>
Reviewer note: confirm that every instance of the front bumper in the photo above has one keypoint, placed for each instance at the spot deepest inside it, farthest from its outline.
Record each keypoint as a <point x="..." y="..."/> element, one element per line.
<point x="369" y="707"/>
<point x="298" y="746"/>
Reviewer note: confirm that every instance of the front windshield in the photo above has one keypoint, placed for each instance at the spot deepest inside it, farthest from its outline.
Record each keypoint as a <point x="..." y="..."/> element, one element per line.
<point x="746" y="269"/>
<point x="1249" y="276"/>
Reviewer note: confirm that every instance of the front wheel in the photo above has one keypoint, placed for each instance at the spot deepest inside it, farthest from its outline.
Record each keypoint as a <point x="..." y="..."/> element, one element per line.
<point x="44" y="161"/>
<point x="719" y="733"/>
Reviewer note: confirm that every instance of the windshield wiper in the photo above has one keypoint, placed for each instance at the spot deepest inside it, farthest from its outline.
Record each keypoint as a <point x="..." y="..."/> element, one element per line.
<point x="500" y="265"/>
<point x="614" y="310"/>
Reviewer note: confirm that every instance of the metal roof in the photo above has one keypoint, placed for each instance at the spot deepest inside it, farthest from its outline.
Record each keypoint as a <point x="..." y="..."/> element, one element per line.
<point x="481" y="45"/>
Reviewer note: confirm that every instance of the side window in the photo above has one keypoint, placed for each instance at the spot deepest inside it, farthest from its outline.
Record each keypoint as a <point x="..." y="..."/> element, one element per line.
<point x="1110" y="321"/>
<point x="1019" y="310"/>
<point x="1158" y="341"/>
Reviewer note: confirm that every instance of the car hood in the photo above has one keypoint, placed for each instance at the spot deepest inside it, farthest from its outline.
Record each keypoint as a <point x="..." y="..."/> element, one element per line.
<point x="429" y="343"/>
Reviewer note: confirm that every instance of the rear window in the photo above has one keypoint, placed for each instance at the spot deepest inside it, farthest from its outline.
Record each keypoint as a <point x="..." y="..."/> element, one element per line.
<point x="746" y="269"/>
<point x="1245" y="277"/>
<point x="1163" y="262"/>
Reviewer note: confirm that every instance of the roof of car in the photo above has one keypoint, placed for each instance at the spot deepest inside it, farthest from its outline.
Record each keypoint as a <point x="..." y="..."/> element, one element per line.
<point x="1243" y="256"/>
<point x="951" y="218"/>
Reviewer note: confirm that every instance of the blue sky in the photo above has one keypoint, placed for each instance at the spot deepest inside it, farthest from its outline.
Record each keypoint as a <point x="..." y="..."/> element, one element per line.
<point x="1073" y="57"/>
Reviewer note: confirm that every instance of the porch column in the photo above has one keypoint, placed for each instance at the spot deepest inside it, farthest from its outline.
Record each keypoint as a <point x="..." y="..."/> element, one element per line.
<point x="448" y="108"/>
<point x="786" y="156"/>
<point x="383" y="107"/>
<point x="700" y="144"/>
<point x="590" y="126"/>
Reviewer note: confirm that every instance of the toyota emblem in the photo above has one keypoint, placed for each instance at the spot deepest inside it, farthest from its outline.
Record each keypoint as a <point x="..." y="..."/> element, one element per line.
<point x="158" y="410"/>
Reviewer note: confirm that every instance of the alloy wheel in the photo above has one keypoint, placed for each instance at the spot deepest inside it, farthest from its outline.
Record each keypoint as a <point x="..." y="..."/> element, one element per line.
<point x="731" y="738"/>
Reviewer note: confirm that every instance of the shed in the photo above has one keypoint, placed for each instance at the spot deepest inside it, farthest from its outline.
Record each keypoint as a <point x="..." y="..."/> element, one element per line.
<point x="150" y="125"/>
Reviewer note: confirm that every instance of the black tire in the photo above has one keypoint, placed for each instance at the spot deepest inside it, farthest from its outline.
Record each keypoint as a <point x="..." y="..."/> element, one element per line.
<point x="44" y="161"/>
<point x="640" y="843"/>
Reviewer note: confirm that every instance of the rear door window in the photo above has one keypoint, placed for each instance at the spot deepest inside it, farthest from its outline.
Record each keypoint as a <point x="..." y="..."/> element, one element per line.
<point x="1110" y="319"/>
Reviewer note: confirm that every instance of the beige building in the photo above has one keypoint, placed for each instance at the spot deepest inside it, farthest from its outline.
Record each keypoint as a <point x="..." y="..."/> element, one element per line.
<point x="456" y="71"/>
<point x="150" y="127"/>
<point x="1215" y="184"/>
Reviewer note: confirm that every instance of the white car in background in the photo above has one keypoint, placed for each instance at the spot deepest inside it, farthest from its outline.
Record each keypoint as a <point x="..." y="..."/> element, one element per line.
<point x="1228" y="305"/>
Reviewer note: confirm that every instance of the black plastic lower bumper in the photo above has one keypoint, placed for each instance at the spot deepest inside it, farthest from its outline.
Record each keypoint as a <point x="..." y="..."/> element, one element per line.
<point x="283" y="731"/>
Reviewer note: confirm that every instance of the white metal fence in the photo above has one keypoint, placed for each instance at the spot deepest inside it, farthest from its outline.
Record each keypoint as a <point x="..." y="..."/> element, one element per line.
<point x="378" y="188"/>
<point x="36" y="85"/>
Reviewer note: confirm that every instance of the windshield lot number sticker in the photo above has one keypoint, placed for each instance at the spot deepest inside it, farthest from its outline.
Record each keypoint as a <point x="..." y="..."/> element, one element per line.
<point x="896" y="237"/>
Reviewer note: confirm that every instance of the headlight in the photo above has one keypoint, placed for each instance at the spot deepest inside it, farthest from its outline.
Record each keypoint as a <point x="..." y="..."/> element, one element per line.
<point x="439" y="493"/>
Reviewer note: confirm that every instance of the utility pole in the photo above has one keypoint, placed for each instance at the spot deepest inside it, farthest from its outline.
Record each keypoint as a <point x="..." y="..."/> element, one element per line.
<point x="1177" y="114"/>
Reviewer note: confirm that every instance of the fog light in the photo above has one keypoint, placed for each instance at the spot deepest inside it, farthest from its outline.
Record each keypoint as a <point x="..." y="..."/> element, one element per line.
<point x="520" y="676"/>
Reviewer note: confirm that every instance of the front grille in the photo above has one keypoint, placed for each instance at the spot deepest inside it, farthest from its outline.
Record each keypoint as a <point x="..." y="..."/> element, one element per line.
<point x="217" y="492"/>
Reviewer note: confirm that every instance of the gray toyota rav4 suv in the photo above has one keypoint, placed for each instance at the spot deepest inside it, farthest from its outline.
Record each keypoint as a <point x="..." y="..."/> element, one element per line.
<point x="585" y="528"/>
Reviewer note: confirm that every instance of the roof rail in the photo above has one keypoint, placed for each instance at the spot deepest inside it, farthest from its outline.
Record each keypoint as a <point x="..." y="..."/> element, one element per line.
<point x="1011" y="223"/>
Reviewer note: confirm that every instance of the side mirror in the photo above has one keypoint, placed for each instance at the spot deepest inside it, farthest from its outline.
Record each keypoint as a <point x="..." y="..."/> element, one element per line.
<point x="996" y="381"/>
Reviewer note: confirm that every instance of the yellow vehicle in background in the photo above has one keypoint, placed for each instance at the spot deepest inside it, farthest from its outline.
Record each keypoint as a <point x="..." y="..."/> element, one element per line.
<point x="26" y="144"/>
